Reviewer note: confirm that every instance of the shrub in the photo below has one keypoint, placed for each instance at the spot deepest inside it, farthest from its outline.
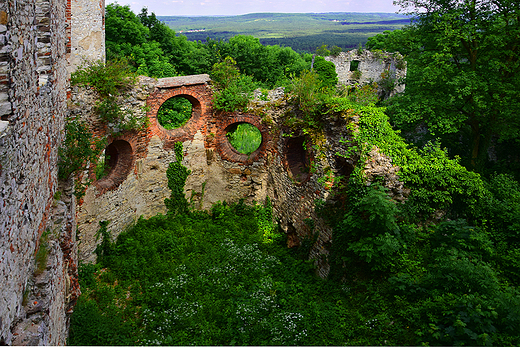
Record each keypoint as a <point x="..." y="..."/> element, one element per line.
<point x="78" y="149"/>
<point x="108" y="79"/>
<point x="234" y="90"/>
<point x="174" y="112"/>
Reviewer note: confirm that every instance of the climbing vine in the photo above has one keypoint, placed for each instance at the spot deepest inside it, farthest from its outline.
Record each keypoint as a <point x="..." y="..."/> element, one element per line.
<point x="177" y="175"/>
<point x="78" y="150"/>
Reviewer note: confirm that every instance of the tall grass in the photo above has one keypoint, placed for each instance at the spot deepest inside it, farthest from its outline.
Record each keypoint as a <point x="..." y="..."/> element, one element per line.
<point x="245" y="138"/>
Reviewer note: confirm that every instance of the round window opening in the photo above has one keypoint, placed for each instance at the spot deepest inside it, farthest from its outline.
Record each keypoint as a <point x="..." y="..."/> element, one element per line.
<point x="103" y="165"/>
<point x="174" y="113"/>
<point x="244" y="137"/>
<point x="114" y="164"/>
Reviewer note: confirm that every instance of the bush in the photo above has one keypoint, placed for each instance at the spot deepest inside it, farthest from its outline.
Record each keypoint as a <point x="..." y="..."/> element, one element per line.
<point x="78" y="149"/>
<point x="108" y="79"/>
<point x="234" y="90"/>
<point x="174" y="112"/>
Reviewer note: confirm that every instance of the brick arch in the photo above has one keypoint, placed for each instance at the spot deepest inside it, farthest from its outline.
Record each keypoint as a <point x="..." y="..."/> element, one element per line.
<point x="123" y="153"/>
<point x="226" y="150"/>
<point x="195" y="123"/>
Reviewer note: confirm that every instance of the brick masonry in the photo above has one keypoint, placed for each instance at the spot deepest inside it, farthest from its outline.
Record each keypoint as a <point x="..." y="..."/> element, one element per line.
<point x="279" y="169"/>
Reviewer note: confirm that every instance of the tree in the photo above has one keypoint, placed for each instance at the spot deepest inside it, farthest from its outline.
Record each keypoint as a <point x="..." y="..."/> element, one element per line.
<point x="464" y="75"/>
<point x="326" y="71"/>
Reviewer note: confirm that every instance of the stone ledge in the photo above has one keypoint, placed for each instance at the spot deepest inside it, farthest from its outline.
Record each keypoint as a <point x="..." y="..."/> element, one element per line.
<point x="180" y="81"/>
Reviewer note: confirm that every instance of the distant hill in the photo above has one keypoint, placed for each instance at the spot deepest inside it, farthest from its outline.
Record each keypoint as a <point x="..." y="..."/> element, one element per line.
<point x="301" y="31"/>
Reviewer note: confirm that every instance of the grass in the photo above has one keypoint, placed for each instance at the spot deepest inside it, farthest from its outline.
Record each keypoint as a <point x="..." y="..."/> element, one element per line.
<point x="245" y="138"/>
<point x="219" y="278"/>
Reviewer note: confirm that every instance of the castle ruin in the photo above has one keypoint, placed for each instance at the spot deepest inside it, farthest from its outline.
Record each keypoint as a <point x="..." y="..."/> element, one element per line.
<point x="43" y="232"/>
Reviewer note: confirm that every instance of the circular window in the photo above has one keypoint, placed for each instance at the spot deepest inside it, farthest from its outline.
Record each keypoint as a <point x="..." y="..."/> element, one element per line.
<point x="174" y="113"/>
<point x="244" y="137"/>
<point x="114" y="164"/>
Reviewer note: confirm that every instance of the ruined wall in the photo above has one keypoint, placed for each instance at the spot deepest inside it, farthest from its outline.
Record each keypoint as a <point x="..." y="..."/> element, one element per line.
<point x="87" y="32"/>
<point x="386" y="69"/>
<point x="33" y="86"/>
<point x="278" y="169"/>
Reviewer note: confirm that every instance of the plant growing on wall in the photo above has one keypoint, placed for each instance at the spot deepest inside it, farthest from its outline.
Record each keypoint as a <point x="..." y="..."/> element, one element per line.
<point x="111" y="80"/>
<point x="78" y="150"/>
<point x="177" y="175"/>
<point x="234" y="90"/>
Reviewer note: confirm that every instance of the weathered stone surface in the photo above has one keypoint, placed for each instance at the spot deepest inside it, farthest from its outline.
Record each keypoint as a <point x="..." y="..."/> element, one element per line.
<point x="373" y="67"/>
<point x="33" y="107"/>
<point x="86" y="32"/>
<point x="279" y="169"/>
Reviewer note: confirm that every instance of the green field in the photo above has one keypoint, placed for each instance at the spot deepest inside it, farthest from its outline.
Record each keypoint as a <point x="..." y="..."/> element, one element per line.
<point x="301" y="31"/>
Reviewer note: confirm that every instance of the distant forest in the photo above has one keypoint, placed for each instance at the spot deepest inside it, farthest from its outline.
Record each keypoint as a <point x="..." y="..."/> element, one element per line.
<point x="303" y="32"/>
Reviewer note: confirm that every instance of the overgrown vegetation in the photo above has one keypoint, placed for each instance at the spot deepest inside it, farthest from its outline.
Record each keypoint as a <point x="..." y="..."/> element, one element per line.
<point x="234" y="90"/>
<point x="80" y="148"/>
<point x="245" y="138"/>
<point x="440" y="278"/>
<point x="441" y="267"/>
<point x="111" y="80"/>
<point x="174" y="113"/>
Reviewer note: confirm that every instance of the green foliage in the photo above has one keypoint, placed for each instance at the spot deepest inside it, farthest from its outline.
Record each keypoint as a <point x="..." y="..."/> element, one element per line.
<point x="42" y="254"/>
<point x="309" y="96"/>
<point x="174" y="112"/>
<point x="463" y="67"/>
<point x="450" y="282"/>
<point x="143" y="46"/>
<point x="235" y="90"/>
<point x="335" y="51"/>
<point x="78" y="149"/>
<point x="102" y="166"/>
<point x="224" y="73"/>
<point x="108" y="79"/>
<point x="326" y="71"/>
<point x="400" y="40"/>
<point x="322" y="51"/>
<point x="111" y="80"/>
<point x="368" y="234"/>
<point x="436" y="181"/>
<point x="365" y="94"/>
<point x="245" y="138"/>
<point x="177" y="175"/>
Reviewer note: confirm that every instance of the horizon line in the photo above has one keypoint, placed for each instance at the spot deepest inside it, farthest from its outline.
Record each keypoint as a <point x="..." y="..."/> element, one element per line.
<point x="245" y="14"/>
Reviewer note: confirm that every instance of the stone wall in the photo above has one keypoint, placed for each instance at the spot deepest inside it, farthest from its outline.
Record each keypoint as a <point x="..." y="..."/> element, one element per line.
<point x="386" y="69"/>
<point x="33" y="86"/>
<point x="279" y="169"/>
<point x="87" y="32"/>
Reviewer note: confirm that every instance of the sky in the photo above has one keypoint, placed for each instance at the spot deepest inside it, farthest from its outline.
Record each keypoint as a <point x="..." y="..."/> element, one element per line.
<point x="237" y="7"/>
